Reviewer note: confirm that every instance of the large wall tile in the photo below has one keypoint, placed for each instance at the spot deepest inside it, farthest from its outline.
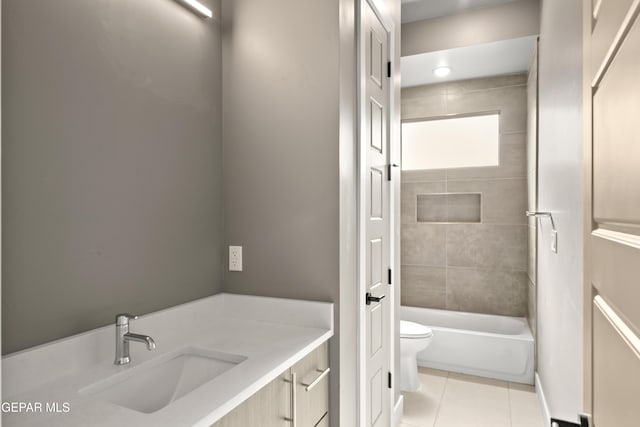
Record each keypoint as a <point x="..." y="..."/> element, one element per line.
<point x="531" y="307"/>
<point x="503" y="200"/>
<point x="424" y="244"/>
<point x="410" y="190"/>
<point x="488" y="246"/>
<point x="532" y="199"/>
<point x="532" y="120"/>
<point x="424" y="175"/>
<point x="487" y="291"/>
<point x="532" y="196"/>
<point x="486" y="264"/>
<point x="423" y="286"/>
<point x="418" y="92"/>
<point x="513" y="119"/>
<point x="532" y="236"/>
<point x="428" y="106"/>
<point x="509" y="101"/>
<point x="470" y="85"/>
<point x="532" y="154"/>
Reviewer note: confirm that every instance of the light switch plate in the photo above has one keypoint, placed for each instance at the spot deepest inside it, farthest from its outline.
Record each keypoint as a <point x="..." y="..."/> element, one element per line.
<point x="554" y="241"/>
<point x="235" y="258"/>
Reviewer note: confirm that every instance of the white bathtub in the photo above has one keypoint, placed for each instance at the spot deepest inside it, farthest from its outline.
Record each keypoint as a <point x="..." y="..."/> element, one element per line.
<point x="490" y="346"/>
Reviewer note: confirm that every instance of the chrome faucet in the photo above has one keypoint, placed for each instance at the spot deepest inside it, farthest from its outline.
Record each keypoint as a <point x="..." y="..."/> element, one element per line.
<point x="123" y="336"/>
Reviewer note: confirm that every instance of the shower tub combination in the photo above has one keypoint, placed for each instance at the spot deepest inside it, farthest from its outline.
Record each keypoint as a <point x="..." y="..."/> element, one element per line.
<point x="484" y="345"/>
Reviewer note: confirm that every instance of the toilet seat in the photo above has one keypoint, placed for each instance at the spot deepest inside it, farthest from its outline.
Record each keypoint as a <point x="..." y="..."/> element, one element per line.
<point x="414" y="330"/>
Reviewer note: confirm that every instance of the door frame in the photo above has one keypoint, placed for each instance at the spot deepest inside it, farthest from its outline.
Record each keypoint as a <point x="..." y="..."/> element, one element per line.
<point x="384" y="16"/>
<point x="587" y="152"/>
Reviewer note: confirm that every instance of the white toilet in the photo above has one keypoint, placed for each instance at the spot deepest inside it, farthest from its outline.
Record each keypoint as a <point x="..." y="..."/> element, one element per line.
<point x="413" y="339"/>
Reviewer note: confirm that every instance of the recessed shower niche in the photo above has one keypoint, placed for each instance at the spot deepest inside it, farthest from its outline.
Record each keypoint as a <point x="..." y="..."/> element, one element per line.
<point x="449" y="208"/>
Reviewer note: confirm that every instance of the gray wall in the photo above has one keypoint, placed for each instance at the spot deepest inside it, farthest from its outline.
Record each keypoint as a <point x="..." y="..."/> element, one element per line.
<point x="281" y="98"/>
<point x="111" y="166"/>
<point x="482" y="25"/>
<point x="289" y="156"/>
<point x="281" y="161"/>
<point x="560" y="182"/>
<point x="475" y="267"/>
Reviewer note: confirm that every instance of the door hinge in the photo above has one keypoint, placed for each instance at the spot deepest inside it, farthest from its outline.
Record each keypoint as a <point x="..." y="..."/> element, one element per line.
<point x="390" y="380"/>
<point x="585" y="420"/>
<point x="390" y="276"/>
<point x="389" y="167"/>
<point x="562" y="423"/>
<point x="389" y="69"/>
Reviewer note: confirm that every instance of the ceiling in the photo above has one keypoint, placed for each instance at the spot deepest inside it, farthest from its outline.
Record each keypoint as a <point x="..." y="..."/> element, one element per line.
<point x="416" y="10"/>
<point x="482" y="60"/>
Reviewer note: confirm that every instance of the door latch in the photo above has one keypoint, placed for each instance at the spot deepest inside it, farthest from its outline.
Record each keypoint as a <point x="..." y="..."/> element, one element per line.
<point x="371" y="298"/>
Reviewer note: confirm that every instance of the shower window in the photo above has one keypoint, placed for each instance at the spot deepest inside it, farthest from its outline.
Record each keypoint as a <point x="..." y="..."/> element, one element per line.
<point x="451" y="142"/>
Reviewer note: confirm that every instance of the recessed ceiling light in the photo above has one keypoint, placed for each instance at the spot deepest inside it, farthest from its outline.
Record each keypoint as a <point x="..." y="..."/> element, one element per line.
<point x="442" y="71"/>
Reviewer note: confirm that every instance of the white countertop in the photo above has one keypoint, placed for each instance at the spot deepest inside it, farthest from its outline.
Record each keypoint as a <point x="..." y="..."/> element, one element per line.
<point x="272" y="333"/>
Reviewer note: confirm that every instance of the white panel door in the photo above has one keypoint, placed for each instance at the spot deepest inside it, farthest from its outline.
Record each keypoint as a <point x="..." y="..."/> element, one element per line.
<point x="614" y="242"/>
<point x="375" y="211"/>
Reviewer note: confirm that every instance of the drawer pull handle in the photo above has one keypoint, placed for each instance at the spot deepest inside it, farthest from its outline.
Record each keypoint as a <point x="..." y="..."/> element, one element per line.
<point x="292" y="401"/>
<point x="312" y="384"/>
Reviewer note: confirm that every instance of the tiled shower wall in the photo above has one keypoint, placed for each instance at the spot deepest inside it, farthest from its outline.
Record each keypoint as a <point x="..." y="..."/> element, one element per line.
<point x="477" y="267"/>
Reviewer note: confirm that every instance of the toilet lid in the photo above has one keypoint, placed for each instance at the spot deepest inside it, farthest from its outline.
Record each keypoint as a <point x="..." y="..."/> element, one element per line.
<point x="414" y="330"/>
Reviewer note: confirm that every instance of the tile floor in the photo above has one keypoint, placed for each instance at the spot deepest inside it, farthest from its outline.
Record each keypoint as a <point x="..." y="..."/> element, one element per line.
<point x="447" y="399"/>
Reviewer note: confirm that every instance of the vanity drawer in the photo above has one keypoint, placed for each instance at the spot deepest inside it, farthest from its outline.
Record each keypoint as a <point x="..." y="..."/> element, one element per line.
<point x="269" y="407"/>
<point x="272" y="406"/>
<point x="312" y="388"/>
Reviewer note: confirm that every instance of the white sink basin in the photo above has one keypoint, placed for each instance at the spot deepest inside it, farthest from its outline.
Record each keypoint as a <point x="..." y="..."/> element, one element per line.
<point x="155" y="384"/>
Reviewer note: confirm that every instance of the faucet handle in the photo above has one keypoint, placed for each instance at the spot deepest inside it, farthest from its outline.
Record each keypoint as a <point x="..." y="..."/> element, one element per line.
<point x="123" y="318"/>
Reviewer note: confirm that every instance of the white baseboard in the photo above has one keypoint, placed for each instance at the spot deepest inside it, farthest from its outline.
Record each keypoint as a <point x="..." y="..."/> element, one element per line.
<point x="543" y="401"/>
<point x="398" y="410"/>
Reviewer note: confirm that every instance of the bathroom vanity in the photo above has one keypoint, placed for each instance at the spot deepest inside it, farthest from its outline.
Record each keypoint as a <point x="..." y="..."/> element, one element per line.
<point x="298" y="397"/>
<point x="224" y="361"/>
